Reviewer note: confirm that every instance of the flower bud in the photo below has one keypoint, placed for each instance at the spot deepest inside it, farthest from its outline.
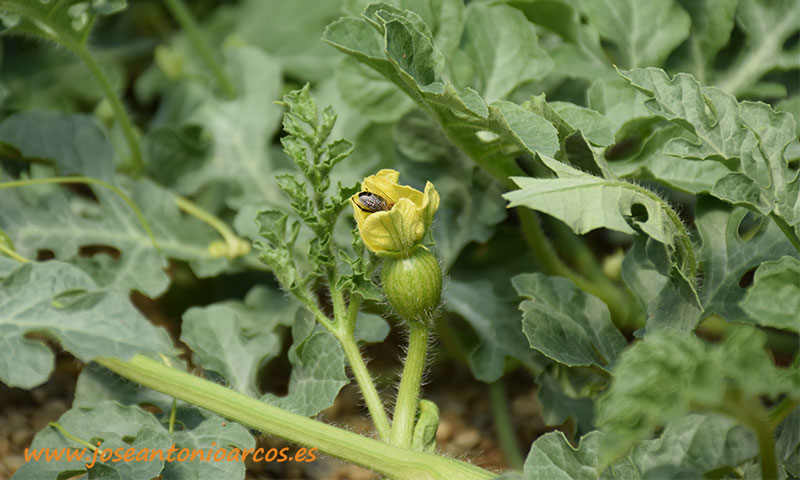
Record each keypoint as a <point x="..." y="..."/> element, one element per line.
<point x="413" y="283"/>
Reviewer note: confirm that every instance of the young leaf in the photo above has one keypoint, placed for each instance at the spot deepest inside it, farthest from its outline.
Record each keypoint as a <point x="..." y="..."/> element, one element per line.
<point x="662" y="378"/>
<point x="689" y="448"/>
<point x="668" y="304"/>
<point x="615" y="205"/>
<point x="61" y="302"/>
<point x="774" y="298"/>
<point x="566" y="324"/>
<point x="236" y="339"/>
<point x="444" y="18"/>
<point x="317" y="369"/>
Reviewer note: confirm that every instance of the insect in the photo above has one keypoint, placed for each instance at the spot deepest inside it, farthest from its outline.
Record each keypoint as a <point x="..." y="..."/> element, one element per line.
<point x="371" y="202"/>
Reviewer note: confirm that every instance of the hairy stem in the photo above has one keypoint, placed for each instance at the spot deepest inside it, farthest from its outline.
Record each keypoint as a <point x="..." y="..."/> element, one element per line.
<point x="381" y="457"/>
<point x="504" y="426"/>
<point x="405" y="410"/>
<point x="184" y="17"/>
<point x="367" y="386"/>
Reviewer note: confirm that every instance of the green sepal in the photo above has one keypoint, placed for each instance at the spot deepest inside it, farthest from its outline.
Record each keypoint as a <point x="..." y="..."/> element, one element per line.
<point x="424" y="436"/>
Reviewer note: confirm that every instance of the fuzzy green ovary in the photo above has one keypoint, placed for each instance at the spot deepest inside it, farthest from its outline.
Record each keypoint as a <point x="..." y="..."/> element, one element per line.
<point x="413" y="284"/>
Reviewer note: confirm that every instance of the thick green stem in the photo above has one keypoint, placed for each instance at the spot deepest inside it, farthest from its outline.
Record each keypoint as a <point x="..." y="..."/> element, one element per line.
<point x="504" y="426"/>
<point x="367" y="386"/>
<point x="766" y="448"/>
<point x="184" y="17"/>
<point x="405" y="410"/>
<point x="537" y="241"/>
<point x="381" y="457"/>
<point x="569" y="243"/>
<point x="750" y="411"/>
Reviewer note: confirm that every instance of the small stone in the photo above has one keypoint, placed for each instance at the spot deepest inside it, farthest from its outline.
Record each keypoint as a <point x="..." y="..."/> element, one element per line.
<point x="468" y="438"/>
<point x="55" y="407"/>
<point x="5" y="446"/>
<point x="39" y="395"/>
<point x="13" y="421"/>
<point x="445" y="431"/>
<point x="526" y="406"/>
<point x="13" y="462"/>
<point x="21" y="437"/>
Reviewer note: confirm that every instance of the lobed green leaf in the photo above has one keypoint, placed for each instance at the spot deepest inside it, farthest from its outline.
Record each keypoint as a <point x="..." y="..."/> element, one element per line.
<point x="566" y="324"/>
<point x="60" y="302"/>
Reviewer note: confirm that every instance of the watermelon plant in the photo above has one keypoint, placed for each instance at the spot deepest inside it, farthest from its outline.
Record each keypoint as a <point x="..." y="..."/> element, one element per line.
<point x="596" y="198"/>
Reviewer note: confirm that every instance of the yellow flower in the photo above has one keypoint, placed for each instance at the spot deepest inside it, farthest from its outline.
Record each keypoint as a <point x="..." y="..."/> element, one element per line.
<point x="402" y="226"/>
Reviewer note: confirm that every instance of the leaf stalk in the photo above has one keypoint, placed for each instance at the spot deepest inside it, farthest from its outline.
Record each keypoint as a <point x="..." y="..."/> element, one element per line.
<point x="389" y="460"/>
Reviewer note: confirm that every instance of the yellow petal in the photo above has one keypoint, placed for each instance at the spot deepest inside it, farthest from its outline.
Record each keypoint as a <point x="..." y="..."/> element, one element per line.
<point x="395" y="231"/>
<point x="430" y="204"/>
<point x="402" y="227"/>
